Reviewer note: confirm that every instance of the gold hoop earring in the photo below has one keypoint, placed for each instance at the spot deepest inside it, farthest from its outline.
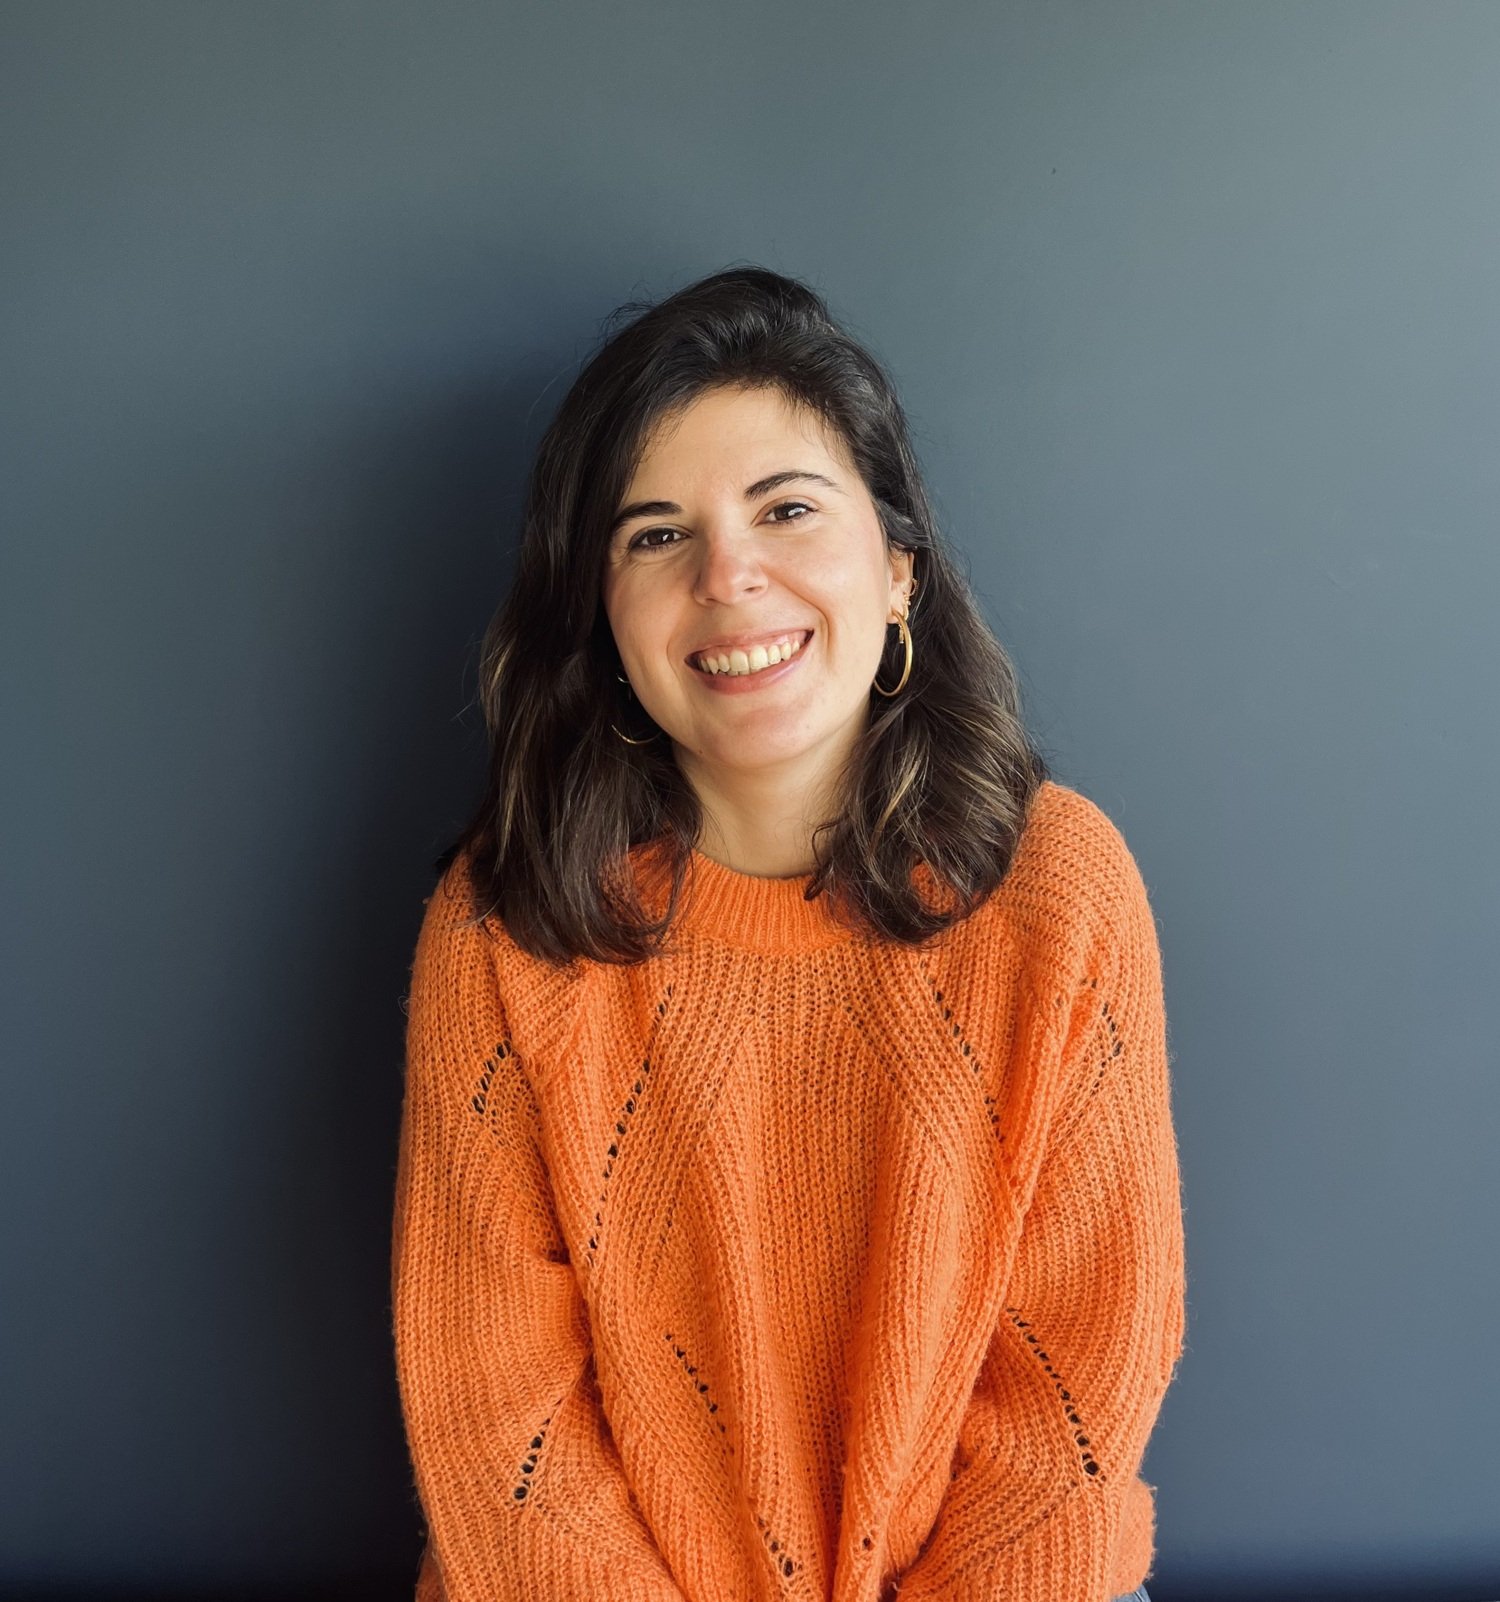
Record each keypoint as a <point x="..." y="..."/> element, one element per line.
<point x="906" y="672"/>
<point x="625" y="737"/>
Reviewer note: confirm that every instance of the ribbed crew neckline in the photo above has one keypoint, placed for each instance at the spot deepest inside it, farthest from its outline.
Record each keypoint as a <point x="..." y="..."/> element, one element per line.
<point x="746" y="910"/>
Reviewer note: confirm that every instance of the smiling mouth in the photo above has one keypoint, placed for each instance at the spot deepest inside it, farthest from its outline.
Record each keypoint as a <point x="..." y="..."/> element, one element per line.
<point x="739" y="663"/>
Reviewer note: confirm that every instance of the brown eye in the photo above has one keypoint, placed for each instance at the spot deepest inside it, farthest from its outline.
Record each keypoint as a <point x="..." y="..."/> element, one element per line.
<point x="781" y="506"/>
<point x="638" y="543"/>
<point x="643" y="541"/>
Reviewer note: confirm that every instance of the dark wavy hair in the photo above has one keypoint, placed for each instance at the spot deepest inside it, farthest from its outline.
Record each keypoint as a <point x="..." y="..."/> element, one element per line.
<point x="943" y="773"/>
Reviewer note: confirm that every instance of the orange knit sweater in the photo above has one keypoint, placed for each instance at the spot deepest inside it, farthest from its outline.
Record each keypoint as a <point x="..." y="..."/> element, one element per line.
<point x="793" y="1264"/>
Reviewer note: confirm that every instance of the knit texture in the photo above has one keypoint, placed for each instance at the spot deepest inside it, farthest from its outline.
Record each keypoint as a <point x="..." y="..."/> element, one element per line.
<point x="793" y="1264"/>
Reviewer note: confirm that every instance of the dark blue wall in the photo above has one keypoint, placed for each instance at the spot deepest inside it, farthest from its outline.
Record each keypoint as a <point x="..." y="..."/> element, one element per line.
<point x="1196" y="310"/>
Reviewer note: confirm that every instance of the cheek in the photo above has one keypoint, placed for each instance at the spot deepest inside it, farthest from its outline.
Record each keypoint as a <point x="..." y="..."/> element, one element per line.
<point x="642" y="630"/>
<point x="852" y="592"/>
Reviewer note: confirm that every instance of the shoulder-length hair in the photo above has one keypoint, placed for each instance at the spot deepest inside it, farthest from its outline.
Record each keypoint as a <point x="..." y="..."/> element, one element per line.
<point x="943" y="773"/>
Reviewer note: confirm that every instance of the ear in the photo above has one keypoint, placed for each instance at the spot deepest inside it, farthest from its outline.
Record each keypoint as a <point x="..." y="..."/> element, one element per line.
<point x="901" y="578"/>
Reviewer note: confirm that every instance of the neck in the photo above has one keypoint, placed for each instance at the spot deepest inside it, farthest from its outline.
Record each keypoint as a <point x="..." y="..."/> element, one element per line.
<point x="760" y="821"/>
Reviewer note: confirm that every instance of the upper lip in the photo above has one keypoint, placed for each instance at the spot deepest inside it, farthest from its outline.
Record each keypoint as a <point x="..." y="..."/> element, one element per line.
<point x="743" y="642"/>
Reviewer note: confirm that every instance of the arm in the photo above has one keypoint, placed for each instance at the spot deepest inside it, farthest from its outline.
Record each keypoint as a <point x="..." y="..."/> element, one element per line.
<point x="518" y="1476"/>
<point x="1045" y="1504"/>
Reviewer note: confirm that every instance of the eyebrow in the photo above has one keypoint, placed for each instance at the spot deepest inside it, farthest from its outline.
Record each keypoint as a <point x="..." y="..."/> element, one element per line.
<point x="762" y="486"/>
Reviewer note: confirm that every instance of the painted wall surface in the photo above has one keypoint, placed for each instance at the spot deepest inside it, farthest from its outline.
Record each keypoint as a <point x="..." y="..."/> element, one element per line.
<point x="1196" y="312"/>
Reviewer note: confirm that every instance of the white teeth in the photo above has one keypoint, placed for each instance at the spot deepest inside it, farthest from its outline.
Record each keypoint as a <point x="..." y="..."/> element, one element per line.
<point x="751" y="661"/>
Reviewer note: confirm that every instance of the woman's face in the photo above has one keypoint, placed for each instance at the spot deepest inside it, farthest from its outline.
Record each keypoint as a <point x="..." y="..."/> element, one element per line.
<point x="727" y="559"/>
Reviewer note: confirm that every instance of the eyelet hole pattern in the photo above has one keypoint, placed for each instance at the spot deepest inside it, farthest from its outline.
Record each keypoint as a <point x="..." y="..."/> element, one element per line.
<point x="783" y="1562"/>
<point x="957" y="1034"/>
<point x="1108" y="1044"/>
<point x="528" y="1464"/>
<point x="480" y="1100"/>
<point x="622" y="1126"/>
<point x="702" y="1388"/>
<point x="1112" y="1044"/>
<point x="786" y="1566"/>
<point x="1065" y="1396"/>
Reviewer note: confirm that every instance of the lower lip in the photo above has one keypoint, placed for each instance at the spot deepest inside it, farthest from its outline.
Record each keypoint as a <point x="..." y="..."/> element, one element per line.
<point x="745" y="683"/>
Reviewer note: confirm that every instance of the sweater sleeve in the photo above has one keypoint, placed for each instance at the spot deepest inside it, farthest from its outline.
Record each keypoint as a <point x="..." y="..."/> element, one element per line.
<point x="518" y="1477"/>
<point x="1045" y="1503"/>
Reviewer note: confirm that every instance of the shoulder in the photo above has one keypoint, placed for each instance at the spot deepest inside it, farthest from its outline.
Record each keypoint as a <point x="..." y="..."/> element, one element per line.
<point x="1072" y="847"/>
<point x="450" y="943"/>
<point x="465" y="946"/>
<point x="1074" y="887"/>
<point x="448" y="910"/>
<point x="460" y="949"/>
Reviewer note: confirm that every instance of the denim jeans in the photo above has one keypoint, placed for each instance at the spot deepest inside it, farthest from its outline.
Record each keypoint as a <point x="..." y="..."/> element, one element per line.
<point x="1138" y="1595"/>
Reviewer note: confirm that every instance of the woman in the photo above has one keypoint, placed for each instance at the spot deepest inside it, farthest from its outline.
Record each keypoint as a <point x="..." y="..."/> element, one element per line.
<point x="787" y="1199"/>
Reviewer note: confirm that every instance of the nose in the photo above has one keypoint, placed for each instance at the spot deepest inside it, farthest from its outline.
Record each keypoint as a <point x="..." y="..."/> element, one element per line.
<point x="728" y="569"/>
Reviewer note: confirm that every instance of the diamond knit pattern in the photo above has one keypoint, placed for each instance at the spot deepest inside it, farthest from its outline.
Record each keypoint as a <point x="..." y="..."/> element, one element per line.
<point x="792" y="1264"/>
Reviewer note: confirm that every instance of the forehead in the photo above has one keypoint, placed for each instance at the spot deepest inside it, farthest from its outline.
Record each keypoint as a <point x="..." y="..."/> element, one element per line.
<point x="734" y="430"/>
